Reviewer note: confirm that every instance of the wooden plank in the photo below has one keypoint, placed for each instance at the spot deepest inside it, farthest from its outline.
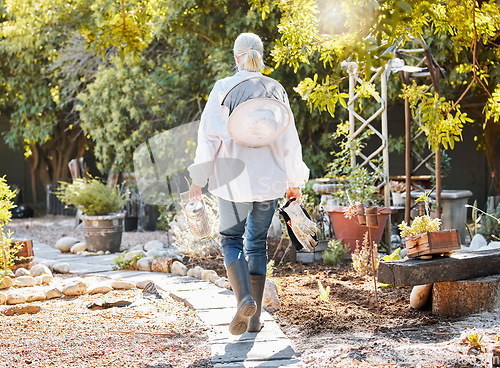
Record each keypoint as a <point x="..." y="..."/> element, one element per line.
<point x="461" y="265"/>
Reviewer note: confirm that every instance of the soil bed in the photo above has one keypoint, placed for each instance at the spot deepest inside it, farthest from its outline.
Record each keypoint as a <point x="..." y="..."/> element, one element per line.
<point x="340" y="332"/>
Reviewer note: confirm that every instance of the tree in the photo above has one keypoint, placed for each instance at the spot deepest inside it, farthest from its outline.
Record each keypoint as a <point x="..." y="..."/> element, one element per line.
<point x="371" y="29"/>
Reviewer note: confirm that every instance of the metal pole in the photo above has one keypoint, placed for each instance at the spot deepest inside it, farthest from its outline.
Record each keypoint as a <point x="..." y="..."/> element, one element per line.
<point x="407" y="159"/>
<point x="385" y="134"/>
<point x="352" y="120"/>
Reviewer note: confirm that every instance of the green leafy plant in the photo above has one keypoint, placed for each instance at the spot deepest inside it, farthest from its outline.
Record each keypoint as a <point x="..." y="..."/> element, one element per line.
<point x="8" y="248"/>
<point x="421" y="224"/>
<point x="356" y="184"/>
<point x="474" y="340"/>
<point x="363" y="261"/>
<point x="324" y="293"/>
<point x="490" y="223"/>
<point x="92" y="196"/>
<point x="497" y="337"/>
<point x="127" y="260"/>
<point x="335" y="252"/>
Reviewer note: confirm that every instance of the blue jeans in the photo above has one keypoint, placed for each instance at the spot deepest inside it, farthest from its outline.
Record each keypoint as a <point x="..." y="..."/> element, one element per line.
<point x="256" y="218"/>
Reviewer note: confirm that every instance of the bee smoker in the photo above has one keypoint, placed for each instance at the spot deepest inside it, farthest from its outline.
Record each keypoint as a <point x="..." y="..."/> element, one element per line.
<point x="196" y="217"/>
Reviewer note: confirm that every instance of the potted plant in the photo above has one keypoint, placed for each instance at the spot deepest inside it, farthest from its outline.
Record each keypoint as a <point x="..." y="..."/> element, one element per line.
<point x="99" y="203"/>
<point x="397" y="188"/>
<point x="423" y="237"/>
<point x="353" y="185"/>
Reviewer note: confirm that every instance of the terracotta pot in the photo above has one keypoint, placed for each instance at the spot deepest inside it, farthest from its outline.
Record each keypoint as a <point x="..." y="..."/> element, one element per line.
<point x="349" y="230"/>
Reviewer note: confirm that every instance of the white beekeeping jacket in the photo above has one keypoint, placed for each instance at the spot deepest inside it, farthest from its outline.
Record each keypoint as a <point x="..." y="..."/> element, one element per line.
<point x="237" y="172"/>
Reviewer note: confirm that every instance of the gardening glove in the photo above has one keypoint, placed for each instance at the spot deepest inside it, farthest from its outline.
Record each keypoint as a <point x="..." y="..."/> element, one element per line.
<point x="303" y="228"/>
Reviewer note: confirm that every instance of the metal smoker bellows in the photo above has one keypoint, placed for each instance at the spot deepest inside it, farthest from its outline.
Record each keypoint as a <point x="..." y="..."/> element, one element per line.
<point x="196" y="217"/>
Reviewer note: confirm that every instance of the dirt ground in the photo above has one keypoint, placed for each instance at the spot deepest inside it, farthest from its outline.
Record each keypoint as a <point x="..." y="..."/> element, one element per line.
<point x="341" y="332"/>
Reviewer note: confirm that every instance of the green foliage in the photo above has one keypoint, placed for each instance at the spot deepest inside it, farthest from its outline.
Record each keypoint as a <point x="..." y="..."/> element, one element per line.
<point x="421" y="224"/>
<point x="357" y="184"/>
<point x="490" y="224"/>
<point x="324" y="293"/>
<point x="335" y="252"/>
<point x="91" y="196"/>
<point x="474" y="340"/>
<point x="7" y="247"/>
<point x="363" y="260"/>
<point x="394" y="256"/>
<point x="127" y="260"/>
<point x="435" y="114"/>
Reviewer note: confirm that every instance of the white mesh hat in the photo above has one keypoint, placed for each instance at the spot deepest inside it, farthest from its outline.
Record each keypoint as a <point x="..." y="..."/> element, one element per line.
<point x="258" y="122"/>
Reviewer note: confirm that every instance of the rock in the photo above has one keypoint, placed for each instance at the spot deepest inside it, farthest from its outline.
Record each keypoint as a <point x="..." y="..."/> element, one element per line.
<point x="122" y="285"/>
<point x="100" y="253"/>
<point x="141" y="284"/>
<point x="270" y="301"/>
<point x="61" y="268"/>
<point x="24" y="309"/>
<point x="3" y="298"/>
<point x="419" y="296"/>
<point x="6" y="283"/>
<point x="78" y="288"/>
<point x="206" y="275"/>
<point x="195" y="272"/>
<point x="44" y="279"/>
<point x="39" y="270"/>
<point x="478" y="241"/>
<point x="144" y="264"/>
<point x="99" y="289"/>
<point x="35" y="297"/>
<point x="178" y="268"/>
<point x="78" y="247"/>
<point x="15" y="298"/>
<point x="153" y="244"/>
<point x="108" y="252"/>
<point x="25" y="281"/>
<point x="53" y="293"/>
<point x="49" y="264"/>
<point x="64" y="244"/>
<point x="161" y="264"/>
<point x="22" y="272"/>
<point x="155" y="252"/>
<point x="223" y="283"/>
<point x="137" y="247"/>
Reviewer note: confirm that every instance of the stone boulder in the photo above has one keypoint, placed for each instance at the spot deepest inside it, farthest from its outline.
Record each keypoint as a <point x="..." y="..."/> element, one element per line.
<point x="61" y="268"/>
<point x="3" y="298"/>
<point x="22" y="272"/>
<point x="161" y="264"/>
<point x="195" y="272"/>
<point x="178" y="268"/>
<point x="99" y="289"/>
<point x="6" y="283"/>
<point x="144" y="264"/>
<point x="15" y="298"/>
<point x="64" y="244"/>
<point x="78" y="288"/>
<point x="35" y="297"/>
<point x="40" y="269"/>
<point x="153" y="244"/>
<point x="25" y="281"/>
<point x="419" y="296"/>
<point x="78" y="247"/>
<point x="122" y="285"/>
<point x="53" y="293"/>
<point x="270" y="301"/>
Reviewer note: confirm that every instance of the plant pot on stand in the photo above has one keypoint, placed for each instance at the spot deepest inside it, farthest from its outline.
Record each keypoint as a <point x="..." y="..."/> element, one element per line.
<point x="350" y="230"/>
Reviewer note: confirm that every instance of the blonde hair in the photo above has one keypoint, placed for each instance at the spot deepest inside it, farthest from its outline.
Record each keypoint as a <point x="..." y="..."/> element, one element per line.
<point x="248" y="48"/>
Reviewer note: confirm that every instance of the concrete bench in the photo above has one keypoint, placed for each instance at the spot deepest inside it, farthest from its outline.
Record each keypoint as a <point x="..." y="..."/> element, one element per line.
<point x="464" y="283"/>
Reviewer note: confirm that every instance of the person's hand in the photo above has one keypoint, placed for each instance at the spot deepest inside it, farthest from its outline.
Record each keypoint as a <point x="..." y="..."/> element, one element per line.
<point x="293" y="193"/>
<point x="194" y="193"/>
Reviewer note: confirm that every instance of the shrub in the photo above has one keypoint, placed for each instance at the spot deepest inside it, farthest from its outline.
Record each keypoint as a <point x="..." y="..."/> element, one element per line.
<point x="362" y="257"/>
<point x="335" y="252"/>
<point x="490" y="224"/>
<point x="7" y="248"/>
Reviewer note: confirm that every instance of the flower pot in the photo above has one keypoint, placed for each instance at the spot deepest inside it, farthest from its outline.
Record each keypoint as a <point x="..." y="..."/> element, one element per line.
<point x="103" y="232"/>
<point x="398" y="200"/>
<point x="434" y="242"/>
<point x="349" y="230"/>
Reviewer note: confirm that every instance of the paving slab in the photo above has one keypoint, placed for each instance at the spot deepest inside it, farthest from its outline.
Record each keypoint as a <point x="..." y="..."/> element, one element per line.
<point x="215" y="306"/>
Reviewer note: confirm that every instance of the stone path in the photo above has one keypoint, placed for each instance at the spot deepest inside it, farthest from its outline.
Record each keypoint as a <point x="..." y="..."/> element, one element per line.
<point x="215" y="306"/>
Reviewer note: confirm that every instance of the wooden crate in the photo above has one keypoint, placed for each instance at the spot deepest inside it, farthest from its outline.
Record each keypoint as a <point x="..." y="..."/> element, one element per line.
<point x="435" y="242"/>
<point x="24" y="255"/>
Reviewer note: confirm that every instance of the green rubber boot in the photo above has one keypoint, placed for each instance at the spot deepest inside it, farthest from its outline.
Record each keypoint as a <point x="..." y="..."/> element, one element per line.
<point x="257" y="283"/>
<point x="238" y="275"/>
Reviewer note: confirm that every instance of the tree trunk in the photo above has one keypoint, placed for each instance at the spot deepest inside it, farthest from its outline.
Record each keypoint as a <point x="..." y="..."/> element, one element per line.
<point x="49" y="160"/>
<point x="492" y="151"/>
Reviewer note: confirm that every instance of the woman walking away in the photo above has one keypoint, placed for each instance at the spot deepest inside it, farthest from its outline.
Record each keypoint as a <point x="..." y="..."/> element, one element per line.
<point x="250" y="154"/>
